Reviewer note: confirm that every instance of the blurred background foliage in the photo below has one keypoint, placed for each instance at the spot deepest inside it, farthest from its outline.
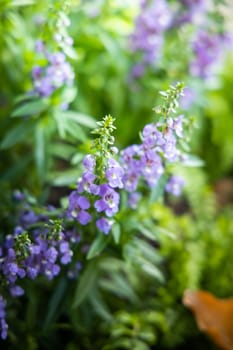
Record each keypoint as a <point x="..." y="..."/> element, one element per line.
<point x="130" y="296"/>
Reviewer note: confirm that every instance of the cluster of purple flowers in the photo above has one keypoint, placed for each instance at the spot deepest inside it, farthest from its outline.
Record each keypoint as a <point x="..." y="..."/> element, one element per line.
<point x="98" y="198"/>
<point x="147" y="38"/>
<point x="41" y="254"/>
<point x="146" y="161"/>
<point x="56" y="71"/>
<point x="190" y="11"/>
<point x="98" y="193"/>
<point x="156" y="17"/>
<point x="207" y="49"/>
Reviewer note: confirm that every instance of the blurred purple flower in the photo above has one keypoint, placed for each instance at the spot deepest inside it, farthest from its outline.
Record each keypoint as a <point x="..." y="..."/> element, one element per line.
<point x="207" y="49"/>
<point x="175" y="185"/>
<point x="104" y="225"/>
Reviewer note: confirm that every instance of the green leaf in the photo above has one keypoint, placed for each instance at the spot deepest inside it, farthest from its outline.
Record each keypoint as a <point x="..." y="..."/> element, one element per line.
<point x="70" y="52"/>
<point x="24" y="98"/>
<point x="81" y="118"/>
<point x="97" y="246"/>
<point x="17" y="134"/>
<point x="116" y="232"/>
<point x="60" y="123"/>
<point x="86" y="283"/>
<point x="63" y="178"/>
<point x="150" y="269"/>
<point x="31" y="108"/>
<point x="164" y="231"/>
<point x="150" y="234"/>
<point x="77" y="158"/>
<point x="193" y="161"/>
<point x="74" y="130"/>
<point x="40" y="156"/>
<point x="100" y="306"/>
<point x="54" y="302"/>
<point x="63" y="151"/>
<point x="69" y="94"/>
<point x="147" y="250"/>
<point x="109" y="264"/>
<point x="119" y="285"/>
<point x="158" y="190"/>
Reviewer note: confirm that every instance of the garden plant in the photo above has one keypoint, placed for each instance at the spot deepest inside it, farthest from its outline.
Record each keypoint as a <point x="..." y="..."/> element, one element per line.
<point x="116" y="171"/>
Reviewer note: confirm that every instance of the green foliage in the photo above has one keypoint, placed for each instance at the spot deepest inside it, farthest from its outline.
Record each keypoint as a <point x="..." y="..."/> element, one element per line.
<point x="219" y="113"/>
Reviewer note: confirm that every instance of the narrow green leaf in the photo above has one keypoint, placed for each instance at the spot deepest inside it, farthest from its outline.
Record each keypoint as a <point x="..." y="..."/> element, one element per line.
<point x="74" y="130"/>
<point x="150" y="234"/>
<point x="81" y="118"/>
<point x="54" y="302"/>
<point x="31" y="108"/>
<point x="151" y="269"/>
<point x="158" y="190"/>
<point x="119" y="285"/>
<point x="147" y="250"/>
<point x="108" y="264"/>
<point x="63" y="178"/>
<point x="116" y="232"/>
<point x="17" y="134"/>
<point x="164" y="231"/>
<point x="60" y="123"/>
<point x="40" y="157"/>
<point x="97" y="246"/>
<point x="24" y="98"/>
<point x="86" y="283"/>
<point x="63" y="150"/>
<point x="100" y="306"/>
<point x="193" y="161"/>
<point x="69" y="94"/>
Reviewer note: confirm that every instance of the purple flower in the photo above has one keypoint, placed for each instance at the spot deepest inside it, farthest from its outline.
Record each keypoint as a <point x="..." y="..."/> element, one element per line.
<point x="74" y="272"/>
<point x="44" y="86"/>
<point x="104" y="225"/>
<point x="151" y="135"/>
<point x="77" y="208"/>
<point x="37" y="72"/>
<point x="89" y="162"/>
<point x="176" y="124"/>
<point x="51" y="270"/>
<point x="66" y="252"/>
<point x="175" y="185"/>
<point x="188" y="98"/>
<point x="16" y="291"/>
<point x="57" y="59"/>
<point x="114" y="174"/>
<point x="55" y="74"/>
<point x="130" y="180"/>
<point x="169" y="148"/>
<point x="3" y="324"/>
<point x="147" y="38"/>
<point x="86" y="183"/>
<point x="51" y="255"/>
<point x="39" y="46"/>
<point x="207" y="49"/>
<point x="152" y="167"/>
<point x="133" y="199"/>
<point x="109" y="201"/>
<point x="138" y="70"/>
<point x="28" y="218"/>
